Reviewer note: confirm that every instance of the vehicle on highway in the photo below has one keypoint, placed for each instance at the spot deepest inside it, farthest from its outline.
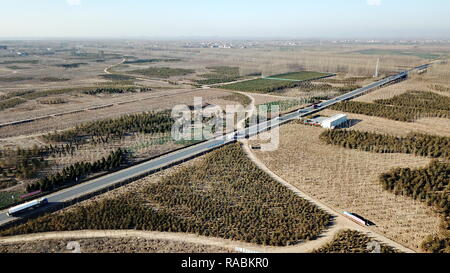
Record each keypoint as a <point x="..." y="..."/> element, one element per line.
<point x="240" y="135"/>
<point x="357" y="219"/>
<point x="316" y="106"/>
<point x="14" y="211"/>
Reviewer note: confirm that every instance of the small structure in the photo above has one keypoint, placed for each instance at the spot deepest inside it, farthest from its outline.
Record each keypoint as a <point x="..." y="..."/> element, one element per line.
<point x="315" y="121"/>
<point x="3" y="47"/>
<point x="334" y="121"/>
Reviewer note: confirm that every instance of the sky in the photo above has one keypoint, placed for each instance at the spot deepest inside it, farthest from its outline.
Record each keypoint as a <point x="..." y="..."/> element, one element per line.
<point x="377" y="19"/>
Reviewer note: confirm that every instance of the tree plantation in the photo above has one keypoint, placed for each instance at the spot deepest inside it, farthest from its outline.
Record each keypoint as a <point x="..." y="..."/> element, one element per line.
<point x="225" y="195"/>
<point x="77" y="172"/>
<point x="116" y="128"/>
<point x="418" y="144"/>
<point x="351" y="241"/>
<point x="407" y="107"/>
<point x="430" y="185"/>
<point x="118" y="90"/>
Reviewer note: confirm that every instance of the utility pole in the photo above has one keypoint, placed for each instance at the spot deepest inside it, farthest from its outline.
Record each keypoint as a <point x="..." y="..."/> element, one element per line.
<point x="376" y="69"/>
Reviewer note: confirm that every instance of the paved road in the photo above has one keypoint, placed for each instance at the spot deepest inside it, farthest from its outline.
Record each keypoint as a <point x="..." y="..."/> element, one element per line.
<point x="184" y="154"/>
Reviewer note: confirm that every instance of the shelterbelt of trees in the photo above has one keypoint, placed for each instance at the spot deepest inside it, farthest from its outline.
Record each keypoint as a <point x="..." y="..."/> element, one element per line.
<point x="25" y="163"/>
<point x="414" y="143"/>
<point x="224" y="195"/>
<point x="407" y="107"/>
<point x="115" y="128"/>
<point x="116" y="90"/>
<point x="77" y="172"/>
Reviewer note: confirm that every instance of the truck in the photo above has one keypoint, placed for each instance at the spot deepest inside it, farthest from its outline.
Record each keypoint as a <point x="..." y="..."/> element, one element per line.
<point x="14" y="211"/>
<point x="357" y="219"/>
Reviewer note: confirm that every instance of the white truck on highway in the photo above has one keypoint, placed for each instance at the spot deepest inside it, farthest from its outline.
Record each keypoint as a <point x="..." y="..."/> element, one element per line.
<point x="27" y="206"/>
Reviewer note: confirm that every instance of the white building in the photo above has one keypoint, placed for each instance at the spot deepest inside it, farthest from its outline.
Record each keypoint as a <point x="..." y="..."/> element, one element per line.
<point x="334" y="121"/>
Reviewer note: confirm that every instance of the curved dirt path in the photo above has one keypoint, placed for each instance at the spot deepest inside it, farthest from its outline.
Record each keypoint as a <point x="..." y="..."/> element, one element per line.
<point x="340" y="221"/>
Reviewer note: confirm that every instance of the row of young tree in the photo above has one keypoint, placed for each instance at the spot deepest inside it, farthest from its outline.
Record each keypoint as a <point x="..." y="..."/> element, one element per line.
<point x="102" y="131"/>
<point x="419" y="99"/>
<point x="112" y="90"/>
<point x="399" y="113"/>
<point x="25" y="163"/>
<point x="430" y="185"/>
<point x="414" y="143"/>
<point x="77" y="172"/>
<point x="10" y="103"/>
<point x="225" y="195"/>
<point x="407" y="107"/>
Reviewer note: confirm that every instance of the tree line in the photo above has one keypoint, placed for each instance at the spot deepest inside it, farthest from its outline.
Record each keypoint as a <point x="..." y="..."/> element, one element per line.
<point x="103" y="131"/>
<point x="26" y="163"/>
<point x="75" y="173"/>
<point x="111" y="90"/>
<point x="406" y="107"/>
<point x="414" y="143"/>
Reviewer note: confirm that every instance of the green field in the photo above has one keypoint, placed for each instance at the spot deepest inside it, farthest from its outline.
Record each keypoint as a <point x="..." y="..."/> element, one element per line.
<point x="275" y="83"/>
<point x="283" y="105"/>
<point x="162" y="72"/>
<point x="300" y="76"/>
<point x="220" y="74"/>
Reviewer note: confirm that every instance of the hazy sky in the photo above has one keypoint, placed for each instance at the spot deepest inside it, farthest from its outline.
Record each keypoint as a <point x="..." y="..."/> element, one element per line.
<point x="225" y="18"/>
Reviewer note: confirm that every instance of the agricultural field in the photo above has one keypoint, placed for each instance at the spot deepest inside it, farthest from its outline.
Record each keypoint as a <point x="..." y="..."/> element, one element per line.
<point x="95" y="107"/>
<point x="220" y="74"/>
<point x="384" y="52"/>
<point x="275" y="83"/>
<point x="161" y="72"/>
<point x="407" y="107"/>
<point x="300" y="76"/>
<point x="348" y="179"/>
<point x="224" y="195"/>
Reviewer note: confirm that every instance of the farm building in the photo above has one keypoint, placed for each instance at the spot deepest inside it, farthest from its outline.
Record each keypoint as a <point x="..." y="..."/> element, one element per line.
<point x="334" y="121"/>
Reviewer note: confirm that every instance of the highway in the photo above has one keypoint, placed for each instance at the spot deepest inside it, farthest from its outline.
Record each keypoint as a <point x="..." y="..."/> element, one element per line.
<point x="167" y="160"/>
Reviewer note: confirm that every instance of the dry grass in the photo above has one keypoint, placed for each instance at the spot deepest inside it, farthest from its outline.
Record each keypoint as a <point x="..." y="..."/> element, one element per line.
<point x="348" y="180"/>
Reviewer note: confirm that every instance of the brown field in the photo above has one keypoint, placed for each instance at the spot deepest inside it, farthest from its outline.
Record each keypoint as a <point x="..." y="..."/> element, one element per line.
<point x="348" y="180"/>
<point x="158" y="102"/>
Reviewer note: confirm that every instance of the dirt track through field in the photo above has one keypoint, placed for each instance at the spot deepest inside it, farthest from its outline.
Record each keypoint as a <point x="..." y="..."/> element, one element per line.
<point x="340" y="222"/>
